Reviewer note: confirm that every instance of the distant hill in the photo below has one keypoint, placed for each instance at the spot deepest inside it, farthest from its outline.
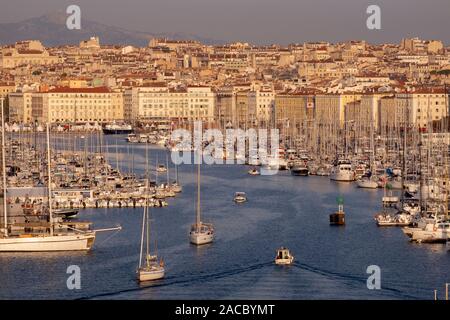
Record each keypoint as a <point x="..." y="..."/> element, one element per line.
<point x="51" y="30"/>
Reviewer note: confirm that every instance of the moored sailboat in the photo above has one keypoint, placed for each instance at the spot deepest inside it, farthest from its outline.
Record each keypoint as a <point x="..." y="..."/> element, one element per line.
<point x="200" y="233"/>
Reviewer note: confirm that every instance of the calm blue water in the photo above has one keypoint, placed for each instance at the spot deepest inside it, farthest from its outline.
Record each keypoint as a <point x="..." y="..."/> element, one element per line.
<point x="282" y="210"/>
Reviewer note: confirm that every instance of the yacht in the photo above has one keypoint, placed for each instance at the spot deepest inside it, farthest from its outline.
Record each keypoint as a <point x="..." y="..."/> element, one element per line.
<point x="116" y="128"/>
<point x="399" y="220"/>
<point x="284" y="257"/>
<point x="435" y="232"/>
<point x="342" y="171"/>
<point x="300" y="169"/>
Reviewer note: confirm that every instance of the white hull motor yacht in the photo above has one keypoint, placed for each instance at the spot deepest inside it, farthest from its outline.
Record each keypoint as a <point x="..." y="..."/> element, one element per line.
<point x="343" y="171"/>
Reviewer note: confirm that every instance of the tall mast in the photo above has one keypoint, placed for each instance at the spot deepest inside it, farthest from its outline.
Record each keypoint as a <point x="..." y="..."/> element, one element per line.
<point x="167" y="167"/>
<point x="198" y="194"/>
<point x="142" y="238"/>
<point x="5" y="215"/>
<point x="50" y="213"/>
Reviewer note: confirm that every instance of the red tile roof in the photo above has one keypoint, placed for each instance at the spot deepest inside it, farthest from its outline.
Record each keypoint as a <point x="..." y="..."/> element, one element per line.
<point x="80" y="90"/>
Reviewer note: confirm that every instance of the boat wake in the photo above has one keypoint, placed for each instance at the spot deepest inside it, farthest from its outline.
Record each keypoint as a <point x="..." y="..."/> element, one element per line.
<point x="195" y="278"/>
<point x="175" y="280"/>
<point x="349" y="277"/>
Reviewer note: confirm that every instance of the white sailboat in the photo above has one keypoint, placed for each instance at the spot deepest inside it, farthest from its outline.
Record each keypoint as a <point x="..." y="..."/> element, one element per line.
<point x="201" y="233"/>
<point x="152" y="268"/>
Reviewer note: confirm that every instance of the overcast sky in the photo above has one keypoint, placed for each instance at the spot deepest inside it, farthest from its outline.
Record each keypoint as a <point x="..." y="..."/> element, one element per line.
<point x="256" y="21"/>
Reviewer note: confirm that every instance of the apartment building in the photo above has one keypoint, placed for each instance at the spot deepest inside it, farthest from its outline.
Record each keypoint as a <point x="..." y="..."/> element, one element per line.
<point x="260" y="107"/>
<point x="330" y="108"/>
<point x="80" y="105"/>
<point x="157" y="102"/>
<point x="392" y="115"/>
<point x="424" y="105"/>
<point x="20" y="107"/>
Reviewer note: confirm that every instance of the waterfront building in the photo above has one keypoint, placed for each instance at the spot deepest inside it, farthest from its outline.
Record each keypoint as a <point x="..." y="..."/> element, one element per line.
<point x="260" y="107"/>
<point x="20" y="110"/>
<point x="77" y="105"/>
<point x="159" y="102"/>
<point x="424" y="105"/>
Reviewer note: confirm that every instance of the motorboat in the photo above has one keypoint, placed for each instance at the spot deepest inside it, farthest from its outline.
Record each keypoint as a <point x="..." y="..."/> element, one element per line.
<point x="300" y="169"/>
<point x="284" y="257"/>
<point x="117" y="128"/>
<point x="240" y="197"/>
<point x="342" y="171"/>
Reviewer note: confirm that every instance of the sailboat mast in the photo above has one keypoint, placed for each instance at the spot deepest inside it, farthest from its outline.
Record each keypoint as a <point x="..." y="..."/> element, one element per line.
<point x="142" y="238"/>
<point x="198" y="194"/>
<point x="50" y="212"/>
<point x="167" y="167"/>
<point x="148" y="229"/>
<point x="5" y="215"/>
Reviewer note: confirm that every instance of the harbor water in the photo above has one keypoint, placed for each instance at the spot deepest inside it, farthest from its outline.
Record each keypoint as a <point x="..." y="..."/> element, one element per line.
<point x="282" y="210"/>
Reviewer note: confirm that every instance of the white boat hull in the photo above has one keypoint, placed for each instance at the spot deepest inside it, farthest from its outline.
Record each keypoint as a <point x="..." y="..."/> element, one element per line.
<point x="429" y="236"/>
<point x="367" y="184"/>
<point x="150" y="275"/>
<point x="199" y="238"/>
<point x="343" y="176"/>
<point x="76" y="242"/>
<point x="284" y="261"/>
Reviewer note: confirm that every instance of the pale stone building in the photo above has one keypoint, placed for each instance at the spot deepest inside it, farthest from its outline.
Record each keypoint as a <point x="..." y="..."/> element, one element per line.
<point x="158" y="102"/>
<point x="260" y="107"/>
<point x="77" y="105"/>
<point x="424" y="105"/>
<point x="20" y="107"/>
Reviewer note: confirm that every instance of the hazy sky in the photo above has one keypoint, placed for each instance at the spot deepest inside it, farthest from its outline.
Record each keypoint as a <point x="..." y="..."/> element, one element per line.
<point x="257" y="21"/>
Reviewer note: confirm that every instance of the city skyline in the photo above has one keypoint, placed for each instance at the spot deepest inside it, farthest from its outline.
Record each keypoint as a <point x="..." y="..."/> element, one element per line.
<point x="257" y="22"/>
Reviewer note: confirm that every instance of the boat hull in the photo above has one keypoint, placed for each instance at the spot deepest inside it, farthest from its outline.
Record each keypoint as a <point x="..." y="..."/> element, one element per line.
<point x="117" y="131"/>
<point x="201" y="238"/>
<point x="151" y="275"/>
<point x="300" y="172"/>
<point x="78" y="242"/>
<point x="342" y="176"/>
<point x="367" y="184"/>
<point x="284" y="262"/>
